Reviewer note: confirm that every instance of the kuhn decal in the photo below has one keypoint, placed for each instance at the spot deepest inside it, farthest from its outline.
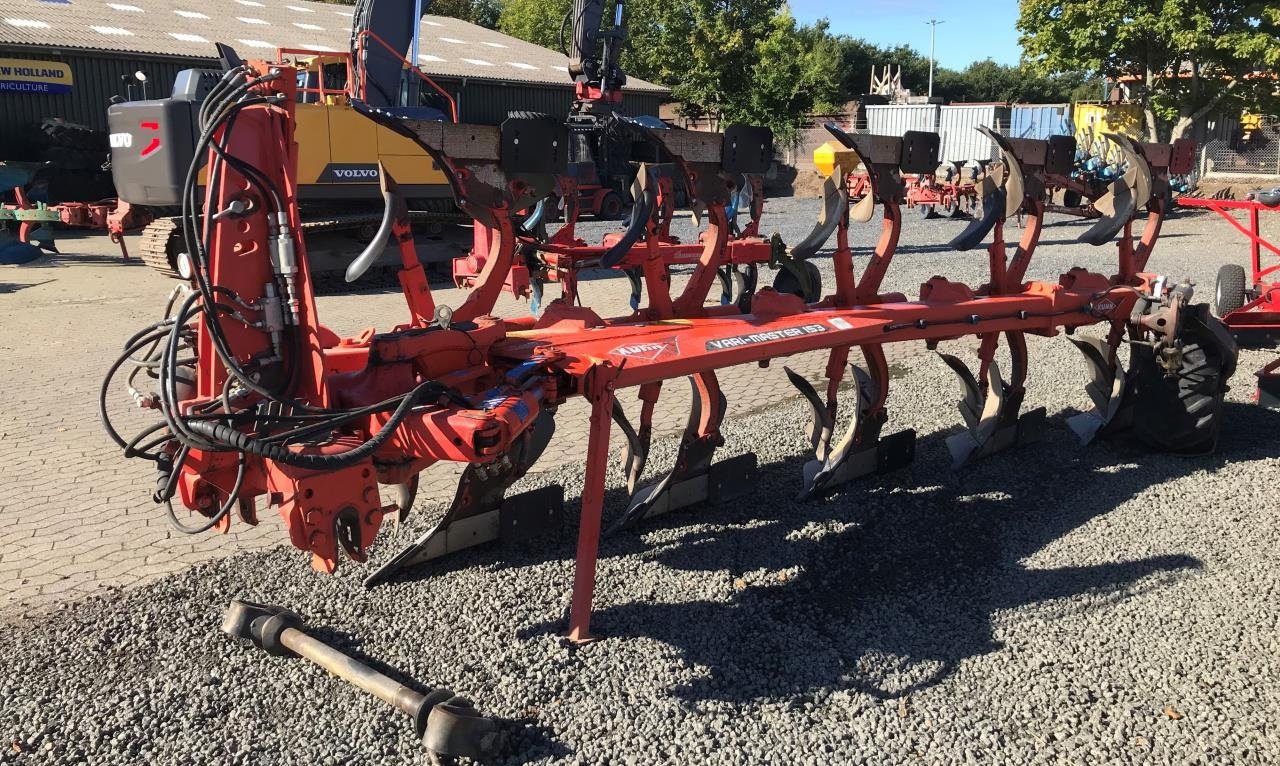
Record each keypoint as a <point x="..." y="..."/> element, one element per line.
<point x="649" y="351"/>
<point x="738" y="341"/>
<point x="347" y="173"/>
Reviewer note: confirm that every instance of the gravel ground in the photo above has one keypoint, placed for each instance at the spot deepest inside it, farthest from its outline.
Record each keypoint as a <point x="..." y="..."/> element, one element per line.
<point x="1058" y="604"/>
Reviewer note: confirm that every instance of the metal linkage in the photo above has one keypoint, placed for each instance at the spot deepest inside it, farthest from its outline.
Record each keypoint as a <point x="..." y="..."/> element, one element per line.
<point x="447" y="724"/>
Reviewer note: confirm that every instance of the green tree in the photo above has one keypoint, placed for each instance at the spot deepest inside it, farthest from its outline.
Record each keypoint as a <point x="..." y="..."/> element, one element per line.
<point x="537" y="21"/>
<point x="1185" y="57"/>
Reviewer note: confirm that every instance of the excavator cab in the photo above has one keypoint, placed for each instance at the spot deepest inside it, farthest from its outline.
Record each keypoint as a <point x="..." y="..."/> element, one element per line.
<point x="339" y="148"/>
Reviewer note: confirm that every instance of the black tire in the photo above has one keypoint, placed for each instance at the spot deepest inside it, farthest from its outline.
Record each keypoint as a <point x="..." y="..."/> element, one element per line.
<point x="785" y="281"/>
<point x="523" y="115"/>
<point x="1229" y="289"/>
<point x="1071" y="198"/>
<point x="611" y="207"/>
<point x="952" y="208"/>
<point x="925" y="212"/>
<point x="1182" y="413"/>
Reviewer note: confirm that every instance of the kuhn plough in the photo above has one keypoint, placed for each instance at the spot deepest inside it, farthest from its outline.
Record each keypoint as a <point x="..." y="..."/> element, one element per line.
<point x="260" y="400"/>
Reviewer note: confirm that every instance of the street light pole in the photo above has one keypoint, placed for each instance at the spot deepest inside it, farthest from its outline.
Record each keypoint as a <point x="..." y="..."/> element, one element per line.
<point x="933" y="36"/>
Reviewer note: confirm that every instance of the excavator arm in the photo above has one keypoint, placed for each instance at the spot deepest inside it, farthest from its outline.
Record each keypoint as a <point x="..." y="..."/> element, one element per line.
<point x="593" y="59"/>
<point x="393" y="23"/>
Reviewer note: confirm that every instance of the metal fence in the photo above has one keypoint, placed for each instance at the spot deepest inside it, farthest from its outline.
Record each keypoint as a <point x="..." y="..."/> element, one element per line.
<point x="1259" y="156"/>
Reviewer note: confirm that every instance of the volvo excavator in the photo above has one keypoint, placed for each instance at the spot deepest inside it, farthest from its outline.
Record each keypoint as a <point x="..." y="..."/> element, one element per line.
<point x="340" y="150"/>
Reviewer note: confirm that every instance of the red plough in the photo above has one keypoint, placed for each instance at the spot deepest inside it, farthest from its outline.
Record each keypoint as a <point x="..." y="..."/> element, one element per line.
<point x="259" y="400"/>
<point x="1250" y="304"/>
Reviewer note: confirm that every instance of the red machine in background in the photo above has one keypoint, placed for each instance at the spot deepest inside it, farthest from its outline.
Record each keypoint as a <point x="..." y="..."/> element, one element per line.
<point x="945" y="193"/>
<point x="259" y="400"/>
<point x="942" y="193"/>
<point x="1249" y="302"/>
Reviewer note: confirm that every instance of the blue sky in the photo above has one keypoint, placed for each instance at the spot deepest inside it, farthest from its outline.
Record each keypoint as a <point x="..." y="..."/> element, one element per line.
<point x="971" y="31"/>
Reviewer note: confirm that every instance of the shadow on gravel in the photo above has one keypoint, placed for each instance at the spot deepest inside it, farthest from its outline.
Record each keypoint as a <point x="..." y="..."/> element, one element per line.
<point x="68" y="259"/>
<point x="887" y="587"/>
<point x="13" y="287"/>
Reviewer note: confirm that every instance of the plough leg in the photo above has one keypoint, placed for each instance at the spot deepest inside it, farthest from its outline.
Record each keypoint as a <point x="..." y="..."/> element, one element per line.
<point x="636" y="453"/>
<point x="860" y="450"/>
<point x="584" y="571"/>
<point x="990" y="408"/>
<point x="695" y="478"/>
<point x="1106" y="388"/>
<point x="481" y="512"/>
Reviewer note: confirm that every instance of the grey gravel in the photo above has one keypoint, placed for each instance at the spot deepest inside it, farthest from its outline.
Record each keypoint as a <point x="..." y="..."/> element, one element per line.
<point x="1052" y="605"/>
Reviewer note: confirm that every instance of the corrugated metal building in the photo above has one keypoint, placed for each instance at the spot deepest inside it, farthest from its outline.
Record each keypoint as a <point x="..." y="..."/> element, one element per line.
<point x="897" y="119"/>
<point x="105" y="43"/>
<point x="958" y="126"/>
<point x="1040" y="120"/>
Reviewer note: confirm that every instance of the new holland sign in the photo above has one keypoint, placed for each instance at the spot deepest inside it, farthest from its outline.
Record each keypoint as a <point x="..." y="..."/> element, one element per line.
<point x="21" y="76"/>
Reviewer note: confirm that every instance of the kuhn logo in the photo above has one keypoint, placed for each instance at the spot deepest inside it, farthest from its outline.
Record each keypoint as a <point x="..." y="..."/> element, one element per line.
<point x="335" y="173"/>
<point x="649" y="352"/>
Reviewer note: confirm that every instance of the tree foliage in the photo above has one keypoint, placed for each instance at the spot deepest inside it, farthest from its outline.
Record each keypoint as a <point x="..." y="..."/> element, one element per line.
<point x="1185" y="57"/>
<point x="537" y="21"/>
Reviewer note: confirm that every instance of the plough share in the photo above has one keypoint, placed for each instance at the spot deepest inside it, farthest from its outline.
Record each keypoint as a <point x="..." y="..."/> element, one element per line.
<point x="259" y="399"/>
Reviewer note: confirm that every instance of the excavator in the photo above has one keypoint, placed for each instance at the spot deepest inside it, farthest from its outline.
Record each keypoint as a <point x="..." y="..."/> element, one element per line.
<point x="340" y="150"/>
<point x="601" y="145"/>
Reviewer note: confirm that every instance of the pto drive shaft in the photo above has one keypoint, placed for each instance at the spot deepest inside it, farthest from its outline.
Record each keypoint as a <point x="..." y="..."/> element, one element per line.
<point x="448" y="725"/>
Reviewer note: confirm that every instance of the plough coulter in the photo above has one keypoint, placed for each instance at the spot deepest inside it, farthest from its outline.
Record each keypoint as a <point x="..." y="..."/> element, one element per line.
<point x="258" y="400"/>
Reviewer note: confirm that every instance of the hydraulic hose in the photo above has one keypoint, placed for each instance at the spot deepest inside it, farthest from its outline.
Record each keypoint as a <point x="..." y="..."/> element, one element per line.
<point x="242" y="442"/>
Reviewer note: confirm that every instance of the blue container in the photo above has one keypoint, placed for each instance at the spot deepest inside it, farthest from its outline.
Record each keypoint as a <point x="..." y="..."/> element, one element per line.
<point x="1040" y="120"/>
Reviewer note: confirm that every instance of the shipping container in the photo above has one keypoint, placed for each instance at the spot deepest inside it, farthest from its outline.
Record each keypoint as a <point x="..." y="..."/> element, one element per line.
<point x="1093" y="121"/>
<point x="1040" y="120"/>
<point x="897" y="119"/>
<point x="958" y="126"/>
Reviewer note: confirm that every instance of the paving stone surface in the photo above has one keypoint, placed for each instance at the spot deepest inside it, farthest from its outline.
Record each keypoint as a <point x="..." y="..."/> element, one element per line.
<point x="75" y="516"/>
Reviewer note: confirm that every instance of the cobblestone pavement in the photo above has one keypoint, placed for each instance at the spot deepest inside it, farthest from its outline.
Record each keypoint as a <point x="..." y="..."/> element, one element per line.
<point x="76" y="516"/>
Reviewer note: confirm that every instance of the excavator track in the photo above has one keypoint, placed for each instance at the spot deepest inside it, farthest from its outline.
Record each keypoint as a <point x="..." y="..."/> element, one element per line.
<point x="161" y="240"/>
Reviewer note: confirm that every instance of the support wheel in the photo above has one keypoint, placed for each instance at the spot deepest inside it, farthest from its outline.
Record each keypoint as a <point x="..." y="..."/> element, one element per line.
<point x="808" y="287"/>
<point x="610" y="207"/>
<point x="1071" y="198"/>
<point x="925" y="212"/>
<point x="1229" y="289"/>
<point x="1182" y="413"/>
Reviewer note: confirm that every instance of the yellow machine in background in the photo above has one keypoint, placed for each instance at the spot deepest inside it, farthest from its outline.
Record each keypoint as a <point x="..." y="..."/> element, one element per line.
<point x="339" y="156"/>
<point x="339" y="150"/>
<point x="1094" y="120"/>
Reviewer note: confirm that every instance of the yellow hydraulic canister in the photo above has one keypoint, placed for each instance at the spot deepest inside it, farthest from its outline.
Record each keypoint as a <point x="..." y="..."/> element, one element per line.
<point x="832" y="153"/>
<point x="824" y="157"/>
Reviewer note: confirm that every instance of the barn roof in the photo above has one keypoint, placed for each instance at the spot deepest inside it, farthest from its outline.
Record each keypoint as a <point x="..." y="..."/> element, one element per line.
<point x="189" y="28"/>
